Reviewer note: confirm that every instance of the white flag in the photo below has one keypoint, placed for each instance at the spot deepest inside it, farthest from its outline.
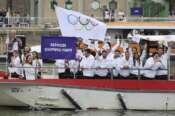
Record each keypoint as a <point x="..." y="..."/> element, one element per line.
<point x="75" y="24"/>
<point x="136" y="38"/>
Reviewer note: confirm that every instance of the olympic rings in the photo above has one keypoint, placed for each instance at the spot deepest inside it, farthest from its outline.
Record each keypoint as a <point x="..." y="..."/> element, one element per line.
<point x="81" y="23"/>
<point x="72" y="19"/>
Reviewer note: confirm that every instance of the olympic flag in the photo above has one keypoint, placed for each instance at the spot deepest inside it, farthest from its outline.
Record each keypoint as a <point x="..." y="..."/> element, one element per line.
<point x="75" y="24"/>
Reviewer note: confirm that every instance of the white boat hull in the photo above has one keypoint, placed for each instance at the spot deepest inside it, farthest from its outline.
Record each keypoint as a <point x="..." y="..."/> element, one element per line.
<point x="52" y="97"/>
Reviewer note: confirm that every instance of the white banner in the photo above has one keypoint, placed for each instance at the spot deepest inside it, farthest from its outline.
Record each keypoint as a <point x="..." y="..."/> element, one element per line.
<point x="167" y="38"/>
<point x="75" y="24"/>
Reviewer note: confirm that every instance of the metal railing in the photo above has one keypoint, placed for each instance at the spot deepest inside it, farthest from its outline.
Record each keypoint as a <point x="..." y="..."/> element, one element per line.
<point x="28" y="22"/>
<point x="53" y="72"/>
<point x="52" y="21"/>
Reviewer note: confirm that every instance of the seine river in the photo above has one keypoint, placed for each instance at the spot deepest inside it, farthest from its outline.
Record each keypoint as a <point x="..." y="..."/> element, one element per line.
<point x="19" y="112"/>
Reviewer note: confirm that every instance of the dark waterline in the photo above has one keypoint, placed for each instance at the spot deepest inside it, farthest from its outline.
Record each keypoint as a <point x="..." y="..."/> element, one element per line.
<point x="26" y="112"/>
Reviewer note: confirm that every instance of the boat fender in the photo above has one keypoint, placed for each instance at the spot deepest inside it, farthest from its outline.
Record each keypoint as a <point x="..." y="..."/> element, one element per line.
<point x="122" y="102"/>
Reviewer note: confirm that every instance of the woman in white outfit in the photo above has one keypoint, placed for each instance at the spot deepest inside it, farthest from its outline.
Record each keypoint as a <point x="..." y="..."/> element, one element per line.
<point x="136" y="67"/>
<point x="15" y="68"/>
<point x="29" y="70"/>
<point x="37" y="64"/>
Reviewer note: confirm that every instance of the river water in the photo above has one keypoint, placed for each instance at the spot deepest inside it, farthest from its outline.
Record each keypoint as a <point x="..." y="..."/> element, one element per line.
<point x="19" y="112"/>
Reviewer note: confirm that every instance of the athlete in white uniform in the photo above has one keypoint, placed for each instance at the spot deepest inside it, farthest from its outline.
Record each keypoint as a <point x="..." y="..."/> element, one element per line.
<point x="125" y="65"/>
<point x="151" y="66"/>
<point x="87" y="64"/>
<point x="102" y="65"/>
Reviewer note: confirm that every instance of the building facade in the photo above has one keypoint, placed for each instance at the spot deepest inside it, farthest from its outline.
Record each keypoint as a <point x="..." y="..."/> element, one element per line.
<point x="42" y="8"/>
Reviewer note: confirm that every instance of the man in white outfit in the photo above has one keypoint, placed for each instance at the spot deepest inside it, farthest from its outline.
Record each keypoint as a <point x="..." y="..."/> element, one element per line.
<point x="162" y="73"/>
<point x="87" y="64"/>
<point x="151" y="66"/>
<point x="61" y="67"/>
<point x="116" y="64"/>
<point x="125" y="65"/>
<point x="103" y="66"/>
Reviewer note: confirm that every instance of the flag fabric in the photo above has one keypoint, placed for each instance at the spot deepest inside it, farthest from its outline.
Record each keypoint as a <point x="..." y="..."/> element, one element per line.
<point x="136" y="38"/>
<point x="75" y="24"/>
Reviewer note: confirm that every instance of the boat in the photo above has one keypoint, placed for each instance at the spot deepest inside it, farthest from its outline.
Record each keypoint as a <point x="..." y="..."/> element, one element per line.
<point x="89" y="94"/>
<point x="84" y="94"/>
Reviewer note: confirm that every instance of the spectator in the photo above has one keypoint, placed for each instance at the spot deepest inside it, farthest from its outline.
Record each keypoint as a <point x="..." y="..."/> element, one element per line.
<point x="17" y="19"/>
<point x="2" y="16"/>
<point x="106" y="14"/>
<point x="112" y="15"/>
<point x="121" y="16"/>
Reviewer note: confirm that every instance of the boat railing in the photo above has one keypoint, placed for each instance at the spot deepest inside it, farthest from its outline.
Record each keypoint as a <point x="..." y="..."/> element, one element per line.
<point x="53" y="72"/>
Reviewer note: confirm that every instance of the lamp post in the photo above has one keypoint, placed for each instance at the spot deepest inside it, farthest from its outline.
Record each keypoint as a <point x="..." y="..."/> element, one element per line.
<point x="68" y="4"/>
<point x="170" y="7"/>
<point x="112" y="5"/>
<point x="52" y="4"/>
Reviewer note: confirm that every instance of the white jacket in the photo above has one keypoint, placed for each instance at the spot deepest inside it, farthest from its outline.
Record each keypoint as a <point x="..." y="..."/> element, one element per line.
<point x="38" y="63"/>
<point x="87" y="65"/>
<point x="125" y="72"/>
<point x="15" y="66"/>
<point x="102" y="66"/>
<point x="138" y="67"/>
<point x="164" y="65"/>
<point x="29" y="72"/>
<point x="60" y="64"/>
<point x="73" y="65"/>
<point x="150" y="68"/>
<point x="116" y="66"/>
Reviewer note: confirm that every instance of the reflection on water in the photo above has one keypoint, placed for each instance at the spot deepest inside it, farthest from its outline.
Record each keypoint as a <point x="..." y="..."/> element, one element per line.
<point x="19" y="112"/>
